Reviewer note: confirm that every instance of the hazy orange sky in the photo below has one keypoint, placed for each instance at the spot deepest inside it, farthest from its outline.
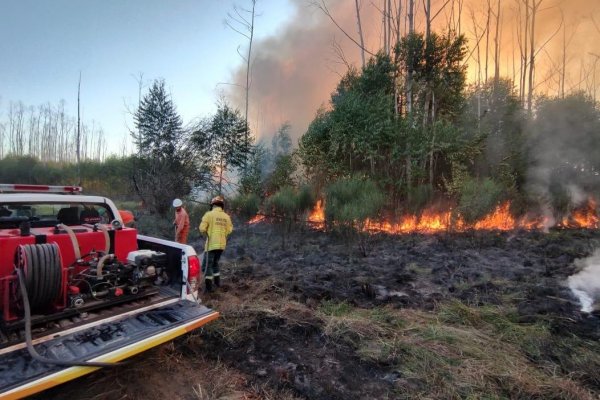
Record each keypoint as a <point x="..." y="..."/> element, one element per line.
<point x="295" y="70"/>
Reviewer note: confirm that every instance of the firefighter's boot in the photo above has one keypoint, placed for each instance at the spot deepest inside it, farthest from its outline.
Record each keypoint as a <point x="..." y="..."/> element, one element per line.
<point x="218" y="281"/>
<point x="208" y="287"/>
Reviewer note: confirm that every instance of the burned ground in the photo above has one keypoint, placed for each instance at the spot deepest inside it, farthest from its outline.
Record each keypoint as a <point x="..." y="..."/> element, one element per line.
<point x="468" y="315"/>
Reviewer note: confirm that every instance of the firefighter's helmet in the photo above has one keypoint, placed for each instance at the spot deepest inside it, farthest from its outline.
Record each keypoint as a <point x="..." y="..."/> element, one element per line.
<point x="217" y="201"/>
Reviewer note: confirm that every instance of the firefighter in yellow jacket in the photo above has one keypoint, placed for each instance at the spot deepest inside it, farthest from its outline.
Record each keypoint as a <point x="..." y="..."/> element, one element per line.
<point x="216" y="226"/>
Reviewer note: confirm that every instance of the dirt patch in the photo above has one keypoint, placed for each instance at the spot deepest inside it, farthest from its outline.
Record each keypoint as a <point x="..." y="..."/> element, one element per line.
<point x="444" y="316"/>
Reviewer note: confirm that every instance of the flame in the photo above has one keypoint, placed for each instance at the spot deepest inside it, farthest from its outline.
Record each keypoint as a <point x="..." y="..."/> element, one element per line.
<point x="317" y="215"/>
<point x="256" y="219"/>
<point x="582" y="217"/>
<point x="432" y="221"/>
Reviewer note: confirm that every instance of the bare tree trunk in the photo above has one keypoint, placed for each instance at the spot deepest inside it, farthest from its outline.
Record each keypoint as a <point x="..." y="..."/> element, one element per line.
<point x="409" y="71"/>
<point x="248" y="74"/>
<point x="532" y="55"/>
<point x="487" y="39"/>
<point x="524" y="62"/>
<point x="360" y="34"/>
<point x="240" y="24"/>
<point x="385" y="30"/>
<point x="564" y="64"/>
<point x="78" y="151"/>
<point x="460" y="9"/>
<point x="428" y="20"/>
<point x="497" y="47"/>
<point x="398" y="19"/>
<point x="389" y="27"/>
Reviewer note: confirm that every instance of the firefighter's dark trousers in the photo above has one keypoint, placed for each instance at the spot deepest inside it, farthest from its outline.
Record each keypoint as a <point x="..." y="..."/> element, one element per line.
<point x="210" y="268"/>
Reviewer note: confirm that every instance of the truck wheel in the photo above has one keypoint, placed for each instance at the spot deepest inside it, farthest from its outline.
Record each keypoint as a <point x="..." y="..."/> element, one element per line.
<point x="41" y="266"/>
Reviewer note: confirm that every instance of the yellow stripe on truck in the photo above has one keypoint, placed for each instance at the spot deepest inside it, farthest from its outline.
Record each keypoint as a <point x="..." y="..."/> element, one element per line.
<point x="71" y="373"/>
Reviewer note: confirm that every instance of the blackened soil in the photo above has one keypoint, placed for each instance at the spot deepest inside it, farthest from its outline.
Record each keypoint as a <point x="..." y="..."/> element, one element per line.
<point x="291" y="352"/>
<point x="421" y="270"/>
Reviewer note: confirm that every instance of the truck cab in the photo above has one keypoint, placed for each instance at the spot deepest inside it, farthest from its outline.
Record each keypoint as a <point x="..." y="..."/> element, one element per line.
<point x="78" y="289"/>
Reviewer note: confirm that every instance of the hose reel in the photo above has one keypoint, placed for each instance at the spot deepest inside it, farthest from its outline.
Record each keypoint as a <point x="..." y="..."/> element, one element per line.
<point x="41" y="268"/>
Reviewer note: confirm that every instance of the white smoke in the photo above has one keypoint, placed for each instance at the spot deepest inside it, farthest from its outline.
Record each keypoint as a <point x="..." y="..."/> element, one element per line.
<point x="585" y="284"/>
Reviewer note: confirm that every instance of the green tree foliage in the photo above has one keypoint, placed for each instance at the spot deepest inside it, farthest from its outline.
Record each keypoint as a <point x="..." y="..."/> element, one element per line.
<point x="282" y="174"/>
<point x="251" y="181"/>
<point x="368" y="131"/>
<point x="494" y="124"/>
<point x="355" y="135"/>
<point x="164" y="166"/>
<point x="439" y="74"/>
<point x="158" y="123"/>
<point x="221" y="143"/>
<point x="281" y="163"/>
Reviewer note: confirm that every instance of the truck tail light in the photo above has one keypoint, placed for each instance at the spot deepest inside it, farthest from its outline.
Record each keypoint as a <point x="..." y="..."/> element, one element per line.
<point x="193" y="273"/>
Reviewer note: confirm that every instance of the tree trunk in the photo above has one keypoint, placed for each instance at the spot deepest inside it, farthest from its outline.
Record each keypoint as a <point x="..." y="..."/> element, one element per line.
<point x="532" y="56"/>
<point x="497" y="48"/>
<point x="524" y="53"/>
<point x="411" y="29"/>
<point x="487" y="40"/>
<point x="428" y="20"/>
<point x="360" y="34"/>
<point x="251" y="32"/>
<point x="564" y="63"/>
<point x="78" y="151"/>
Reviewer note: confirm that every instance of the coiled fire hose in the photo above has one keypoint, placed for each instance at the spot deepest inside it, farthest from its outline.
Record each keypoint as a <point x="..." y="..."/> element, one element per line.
<point x="29" y="341"/>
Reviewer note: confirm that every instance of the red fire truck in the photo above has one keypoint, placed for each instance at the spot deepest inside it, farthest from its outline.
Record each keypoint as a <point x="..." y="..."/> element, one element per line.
<point x="80" y="291"/>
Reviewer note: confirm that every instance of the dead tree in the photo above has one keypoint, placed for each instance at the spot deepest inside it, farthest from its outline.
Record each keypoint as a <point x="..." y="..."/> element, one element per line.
<point x="242" y="22"/>
<point x="360" y="33"/>
<point x="78" y="140"/>
<point x="532" y="53"/>
<point x="497" y="39"/>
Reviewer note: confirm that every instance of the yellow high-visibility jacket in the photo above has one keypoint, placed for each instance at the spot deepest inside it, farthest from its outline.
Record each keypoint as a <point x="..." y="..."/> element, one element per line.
<point x="217" y="226"/>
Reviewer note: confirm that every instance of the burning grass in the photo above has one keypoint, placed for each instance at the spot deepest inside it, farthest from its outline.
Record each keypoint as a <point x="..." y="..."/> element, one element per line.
<point x="433" y="220"/>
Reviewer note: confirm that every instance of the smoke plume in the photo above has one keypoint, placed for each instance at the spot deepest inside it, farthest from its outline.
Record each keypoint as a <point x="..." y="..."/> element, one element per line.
<point x="585" y="285"/>
<point x="295" y="71"/>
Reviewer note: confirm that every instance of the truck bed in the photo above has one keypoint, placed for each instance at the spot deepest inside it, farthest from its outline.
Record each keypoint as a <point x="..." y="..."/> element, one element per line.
<point x="11" y="334"/>
<point x="108" y="340"/>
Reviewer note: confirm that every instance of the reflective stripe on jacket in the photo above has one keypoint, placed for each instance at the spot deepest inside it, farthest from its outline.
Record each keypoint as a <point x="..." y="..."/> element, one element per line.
<point x="217" y="225"/>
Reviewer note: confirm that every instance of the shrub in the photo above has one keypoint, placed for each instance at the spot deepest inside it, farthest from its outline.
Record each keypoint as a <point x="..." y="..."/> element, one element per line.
<point x="283" y="208"/>
<point x="245" y="205"/>
<point x="349" y="203"/>
<point x="306" y="198"/>
<point x="478" y="198"/>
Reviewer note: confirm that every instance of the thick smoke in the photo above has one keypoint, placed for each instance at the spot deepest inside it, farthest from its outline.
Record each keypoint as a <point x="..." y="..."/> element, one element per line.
<point x="295" y="71"/>
<point x="585" y="285"/>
